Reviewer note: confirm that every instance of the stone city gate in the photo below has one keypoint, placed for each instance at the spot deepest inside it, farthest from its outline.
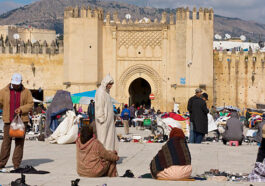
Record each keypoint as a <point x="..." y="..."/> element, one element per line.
<point x="150" y="53"/>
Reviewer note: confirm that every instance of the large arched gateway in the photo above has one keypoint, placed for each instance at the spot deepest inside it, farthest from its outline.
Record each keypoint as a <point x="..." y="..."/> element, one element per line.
<point x="137" y="83"/>
<point x="139" y="91"/>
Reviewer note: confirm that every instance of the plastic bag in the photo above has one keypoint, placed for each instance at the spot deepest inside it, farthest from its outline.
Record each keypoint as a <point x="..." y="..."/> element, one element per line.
<point x="17" y="128"/>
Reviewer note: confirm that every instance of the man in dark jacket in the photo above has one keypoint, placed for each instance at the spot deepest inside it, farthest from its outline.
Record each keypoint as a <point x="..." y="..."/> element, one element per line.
<point x="91" y="111"/>
<point x="15" y="100"/>
<point x="198" y="117"/>
<point x="198" y="93"/>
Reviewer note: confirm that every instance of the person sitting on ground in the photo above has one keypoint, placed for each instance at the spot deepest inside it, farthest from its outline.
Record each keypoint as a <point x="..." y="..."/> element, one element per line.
<point x="234" y="130"/>
<point x="93" y="160"/>
<point x="173" y="161"/>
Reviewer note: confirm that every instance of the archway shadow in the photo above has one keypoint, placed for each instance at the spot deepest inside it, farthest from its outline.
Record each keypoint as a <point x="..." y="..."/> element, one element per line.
<point x="139" y="91"/>
<point x="121" y="160"/>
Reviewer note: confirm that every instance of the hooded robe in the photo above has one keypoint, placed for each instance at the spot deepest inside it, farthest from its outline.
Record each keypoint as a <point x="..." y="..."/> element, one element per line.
<point x="104" y="115"/>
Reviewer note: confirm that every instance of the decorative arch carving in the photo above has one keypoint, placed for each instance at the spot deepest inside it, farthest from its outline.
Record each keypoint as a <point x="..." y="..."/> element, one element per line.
<point x="139" y="71"/>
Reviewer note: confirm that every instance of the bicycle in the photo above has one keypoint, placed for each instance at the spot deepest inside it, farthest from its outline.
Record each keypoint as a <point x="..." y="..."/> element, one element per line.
<point x="156" y="130"/>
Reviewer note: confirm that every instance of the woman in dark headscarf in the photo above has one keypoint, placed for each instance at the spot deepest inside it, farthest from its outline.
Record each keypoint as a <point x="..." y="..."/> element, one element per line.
<point x="234" y="129"/>
<point x="173" y="161"/>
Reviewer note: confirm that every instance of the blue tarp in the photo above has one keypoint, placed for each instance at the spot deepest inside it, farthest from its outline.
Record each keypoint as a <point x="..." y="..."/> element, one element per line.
<point x="90" y="94"/>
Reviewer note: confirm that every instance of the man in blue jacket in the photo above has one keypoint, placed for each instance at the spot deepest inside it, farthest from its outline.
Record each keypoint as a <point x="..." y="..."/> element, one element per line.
<point x="125" y="115"/>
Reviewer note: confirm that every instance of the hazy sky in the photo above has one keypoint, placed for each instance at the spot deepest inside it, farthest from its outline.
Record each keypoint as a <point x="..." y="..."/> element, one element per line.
<point x="6" y="5"/>
<point x="244" y="9"/>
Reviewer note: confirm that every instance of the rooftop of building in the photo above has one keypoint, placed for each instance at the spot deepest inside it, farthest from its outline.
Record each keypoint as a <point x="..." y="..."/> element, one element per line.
<point x="229" y="45"/>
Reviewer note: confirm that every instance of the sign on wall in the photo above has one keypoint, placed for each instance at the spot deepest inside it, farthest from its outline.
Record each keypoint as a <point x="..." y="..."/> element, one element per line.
<point x="152" y="96"/>
<point x="183" y="81"/>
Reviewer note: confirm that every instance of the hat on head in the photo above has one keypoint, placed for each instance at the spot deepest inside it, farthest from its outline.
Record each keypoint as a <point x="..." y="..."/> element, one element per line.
<point x="198" y="90"/>
<point x="16" y="79"/>
<point x="205" y="95"/>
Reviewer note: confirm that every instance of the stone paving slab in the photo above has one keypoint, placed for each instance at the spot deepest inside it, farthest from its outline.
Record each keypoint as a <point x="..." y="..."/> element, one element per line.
<point x="60" y="161"/>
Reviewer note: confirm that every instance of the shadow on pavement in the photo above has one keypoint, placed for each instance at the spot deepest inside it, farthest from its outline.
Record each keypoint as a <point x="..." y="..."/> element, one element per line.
<point x="35" y="162"/>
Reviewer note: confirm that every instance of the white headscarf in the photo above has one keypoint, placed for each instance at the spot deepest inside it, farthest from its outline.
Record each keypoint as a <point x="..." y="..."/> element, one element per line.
<point x="107" y="80"/>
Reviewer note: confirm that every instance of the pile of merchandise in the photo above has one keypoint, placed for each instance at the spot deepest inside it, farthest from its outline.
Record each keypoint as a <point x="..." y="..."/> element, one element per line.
<point x="216" y="175"/>
<point x="139" y="139"/>
<point x="254" y="120"/>
<point x="254" y="117"/>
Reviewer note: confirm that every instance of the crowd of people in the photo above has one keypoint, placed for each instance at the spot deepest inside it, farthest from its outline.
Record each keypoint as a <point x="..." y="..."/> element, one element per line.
<point x="97" y="145"/>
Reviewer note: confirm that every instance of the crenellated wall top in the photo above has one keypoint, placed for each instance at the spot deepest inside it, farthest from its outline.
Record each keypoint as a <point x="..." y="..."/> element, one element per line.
<point x="203" y="14"/>
<point x="83" y="12"/>
<point x="257" y="56"/>
<point x="239" y="52"/>
<point x="21" y="47"/>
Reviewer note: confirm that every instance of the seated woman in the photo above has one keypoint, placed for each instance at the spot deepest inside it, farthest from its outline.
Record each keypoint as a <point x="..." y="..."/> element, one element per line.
<point x="173" y="161"/>
<point x="93" y="160"/>
<point x="234" y="129"/>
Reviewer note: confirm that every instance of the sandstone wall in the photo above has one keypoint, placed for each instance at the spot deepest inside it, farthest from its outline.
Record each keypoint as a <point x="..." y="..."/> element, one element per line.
<point x="239" y="79"/>
<point x="238" y="76"/>
<point x="193" y="59"/>
<point x="83" y="48"/>
<point x="38" y="71"/>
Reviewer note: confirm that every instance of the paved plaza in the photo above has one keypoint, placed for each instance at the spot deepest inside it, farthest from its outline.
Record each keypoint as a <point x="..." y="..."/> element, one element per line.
<point x="60" y="161"/>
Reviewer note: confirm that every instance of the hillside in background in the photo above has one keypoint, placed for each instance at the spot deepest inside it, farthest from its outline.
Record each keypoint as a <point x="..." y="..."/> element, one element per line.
<point x="48" y="14"/>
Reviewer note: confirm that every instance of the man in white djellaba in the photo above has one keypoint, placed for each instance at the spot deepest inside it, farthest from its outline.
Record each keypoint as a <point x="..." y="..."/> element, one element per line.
<point x="104" y="115"/>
